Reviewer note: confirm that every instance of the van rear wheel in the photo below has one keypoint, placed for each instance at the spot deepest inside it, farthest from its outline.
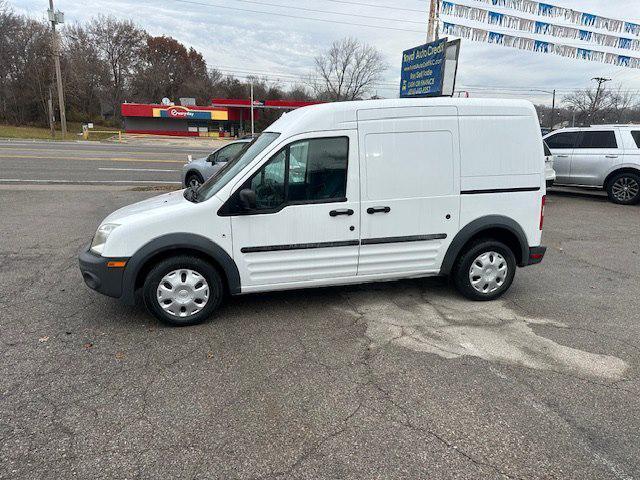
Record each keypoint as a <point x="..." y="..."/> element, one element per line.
<point x="182" y="290"/>
<point x="485" y="270"/>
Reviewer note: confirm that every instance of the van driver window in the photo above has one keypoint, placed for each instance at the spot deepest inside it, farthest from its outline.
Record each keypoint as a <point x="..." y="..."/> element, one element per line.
<point x="303" y="172"/>
<point x="268" y="183"/>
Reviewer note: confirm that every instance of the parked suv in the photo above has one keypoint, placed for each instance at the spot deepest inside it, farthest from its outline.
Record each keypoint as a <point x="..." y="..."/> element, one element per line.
<point x="336" y="194"/>
<point x="601" y="156"/>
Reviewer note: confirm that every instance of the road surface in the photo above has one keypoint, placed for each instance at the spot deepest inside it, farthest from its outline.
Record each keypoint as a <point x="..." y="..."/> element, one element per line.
<point x="27" y="162"/>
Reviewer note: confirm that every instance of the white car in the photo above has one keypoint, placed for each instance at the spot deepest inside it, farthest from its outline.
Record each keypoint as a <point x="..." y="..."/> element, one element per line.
<point x="337" y="194"/>
<point x="601" y="156"/>
<point x="198" y="171"/>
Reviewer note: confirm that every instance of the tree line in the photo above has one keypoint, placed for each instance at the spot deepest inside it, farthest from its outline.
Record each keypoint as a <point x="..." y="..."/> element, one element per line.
<point x="592" y="106"/>
<point x="105" y="62"/>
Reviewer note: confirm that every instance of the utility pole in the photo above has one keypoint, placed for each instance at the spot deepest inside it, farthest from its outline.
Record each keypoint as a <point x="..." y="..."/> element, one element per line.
<point x="433" y="26"/>
<point x="601" y="81"/>
<point x="52" y="117"/>
<point x="55" y="18"/>
<point x="253" y="130"/>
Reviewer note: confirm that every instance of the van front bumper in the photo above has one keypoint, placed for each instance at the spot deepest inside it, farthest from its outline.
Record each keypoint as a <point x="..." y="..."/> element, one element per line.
<point x="102" y="274"/>
<point x="536" y="254"/>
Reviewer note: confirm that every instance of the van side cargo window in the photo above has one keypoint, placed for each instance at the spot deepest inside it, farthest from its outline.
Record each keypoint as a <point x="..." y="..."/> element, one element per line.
<point x="599" y="139"/>
<point x="562" y="141"/>
<point x="636" y="136"/>
<point x="303" y="172"/>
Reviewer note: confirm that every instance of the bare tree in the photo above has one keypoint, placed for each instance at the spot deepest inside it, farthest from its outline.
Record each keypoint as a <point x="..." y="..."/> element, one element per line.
<point x="120" y="43"/>
<point x="623" y="106"/>
<point x="86" y="74"/>
<point x="349" y="70"/>
<point x="606" y="106"/>
<point x="26" y="74"/>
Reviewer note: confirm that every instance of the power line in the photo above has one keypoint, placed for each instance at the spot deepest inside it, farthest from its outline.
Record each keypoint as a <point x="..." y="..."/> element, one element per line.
<point x="303" y="9"/>
<point x="300" y="78"/>
<point x="481" y="89"/>
<point x="376" y="6"/>
<point x="299" y="17"/>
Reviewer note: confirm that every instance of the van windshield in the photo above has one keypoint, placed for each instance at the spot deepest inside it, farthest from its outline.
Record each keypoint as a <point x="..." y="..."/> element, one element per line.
<point x="235" y="166"/>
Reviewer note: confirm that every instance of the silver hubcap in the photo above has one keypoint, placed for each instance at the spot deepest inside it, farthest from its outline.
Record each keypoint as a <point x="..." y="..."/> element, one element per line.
<point x="488" y="272"/>
<point x="194" y="182"/>
<point x="625" y="189"/>
<point x="183" y="293"/>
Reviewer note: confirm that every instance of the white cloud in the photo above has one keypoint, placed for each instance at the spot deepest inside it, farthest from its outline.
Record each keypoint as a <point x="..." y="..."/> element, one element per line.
<point x="243" y="41"/>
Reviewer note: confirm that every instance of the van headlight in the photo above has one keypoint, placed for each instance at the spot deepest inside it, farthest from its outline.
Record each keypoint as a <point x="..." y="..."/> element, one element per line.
<point x="100" y="238"/>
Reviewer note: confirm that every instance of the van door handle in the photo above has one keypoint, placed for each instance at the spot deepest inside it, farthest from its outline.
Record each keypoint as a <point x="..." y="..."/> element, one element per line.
<point x="611" y="156"/>
<point x="372" y="210"/>
<point x="562" y="156"/>
<point x="346" y="211"/>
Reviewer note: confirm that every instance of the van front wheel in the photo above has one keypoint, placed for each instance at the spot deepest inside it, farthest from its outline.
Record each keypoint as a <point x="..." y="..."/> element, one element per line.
<point x="182" y="291"/>
<point x="485" y="270"/>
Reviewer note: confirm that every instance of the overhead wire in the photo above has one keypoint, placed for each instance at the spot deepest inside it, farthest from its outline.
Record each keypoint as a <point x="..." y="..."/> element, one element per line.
<point x="300" y="17"/>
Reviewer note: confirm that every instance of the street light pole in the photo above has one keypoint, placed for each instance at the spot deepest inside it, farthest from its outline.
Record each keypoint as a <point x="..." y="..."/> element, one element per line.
<point x="253" y="130"/>
<point x="55" y="19"/>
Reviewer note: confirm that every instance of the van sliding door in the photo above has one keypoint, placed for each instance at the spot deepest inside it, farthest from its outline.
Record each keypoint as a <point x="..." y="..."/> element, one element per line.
<point x="410" y="189"/>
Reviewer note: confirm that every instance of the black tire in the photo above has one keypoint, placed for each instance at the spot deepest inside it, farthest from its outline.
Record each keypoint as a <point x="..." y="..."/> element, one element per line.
<point x="191" y="177"/>
<point x="462" y="268"/>
<point x="624" y="188"/>
<point x="165" y="267"/>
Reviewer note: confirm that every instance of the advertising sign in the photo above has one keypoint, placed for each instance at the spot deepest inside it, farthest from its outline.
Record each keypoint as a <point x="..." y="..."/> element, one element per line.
<point x="189" y="114"/>
<point x="424" y="69"/>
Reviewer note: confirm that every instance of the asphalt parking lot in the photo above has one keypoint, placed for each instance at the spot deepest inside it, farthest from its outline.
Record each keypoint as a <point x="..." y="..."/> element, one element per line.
<point x="395" y="380"/>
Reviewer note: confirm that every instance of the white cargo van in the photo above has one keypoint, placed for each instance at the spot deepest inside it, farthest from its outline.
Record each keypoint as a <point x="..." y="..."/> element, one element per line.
<point x="337" y="194"/>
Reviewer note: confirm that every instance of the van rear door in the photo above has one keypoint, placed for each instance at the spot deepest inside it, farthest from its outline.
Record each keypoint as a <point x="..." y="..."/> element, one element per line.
<point x="410" y="188"/>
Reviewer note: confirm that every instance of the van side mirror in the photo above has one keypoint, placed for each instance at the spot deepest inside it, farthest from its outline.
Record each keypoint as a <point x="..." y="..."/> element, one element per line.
<point x="247" y="199"/>
<point x="212" y="158"/>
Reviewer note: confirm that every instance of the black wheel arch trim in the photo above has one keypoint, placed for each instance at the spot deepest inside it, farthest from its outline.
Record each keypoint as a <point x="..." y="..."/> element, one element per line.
<point x="178" y="241"/>
<point x="478" y="225"/>
<point x="620" y="169"/>
<point x="193" y="172"/>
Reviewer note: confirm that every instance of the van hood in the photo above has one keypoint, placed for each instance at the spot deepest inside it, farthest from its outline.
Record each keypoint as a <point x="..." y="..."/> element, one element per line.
<point x="150" y="205"/>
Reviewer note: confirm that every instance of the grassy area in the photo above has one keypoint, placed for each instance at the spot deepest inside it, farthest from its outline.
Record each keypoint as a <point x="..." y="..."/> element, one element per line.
<point x="11" y="131"/>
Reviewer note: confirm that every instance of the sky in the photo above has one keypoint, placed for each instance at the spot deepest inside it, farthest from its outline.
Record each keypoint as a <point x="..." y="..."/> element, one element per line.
<point x="268" y="38"/>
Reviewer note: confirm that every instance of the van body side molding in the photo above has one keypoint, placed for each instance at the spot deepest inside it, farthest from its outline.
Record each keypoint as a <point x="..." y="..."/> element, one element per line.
<point x="500" y="190"/>
<point x="411" y="238"/>
<point x="177" y="241"/>
<point x="345" y="243"/>
<point x="477" y="226"/>
<point x="300" y="246"/>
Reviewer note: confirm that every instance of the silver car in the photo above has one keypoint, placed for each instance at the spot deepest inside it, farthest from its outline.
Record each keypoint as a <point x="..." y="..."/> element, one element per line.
<point x="601" y="156"/>
<point x="196" y="172"/>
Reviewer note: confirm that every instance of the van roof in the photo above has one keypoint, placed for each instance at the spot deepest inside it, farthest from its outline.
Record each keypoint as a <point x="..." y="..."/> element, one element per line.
<point x="343" y="115"/>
